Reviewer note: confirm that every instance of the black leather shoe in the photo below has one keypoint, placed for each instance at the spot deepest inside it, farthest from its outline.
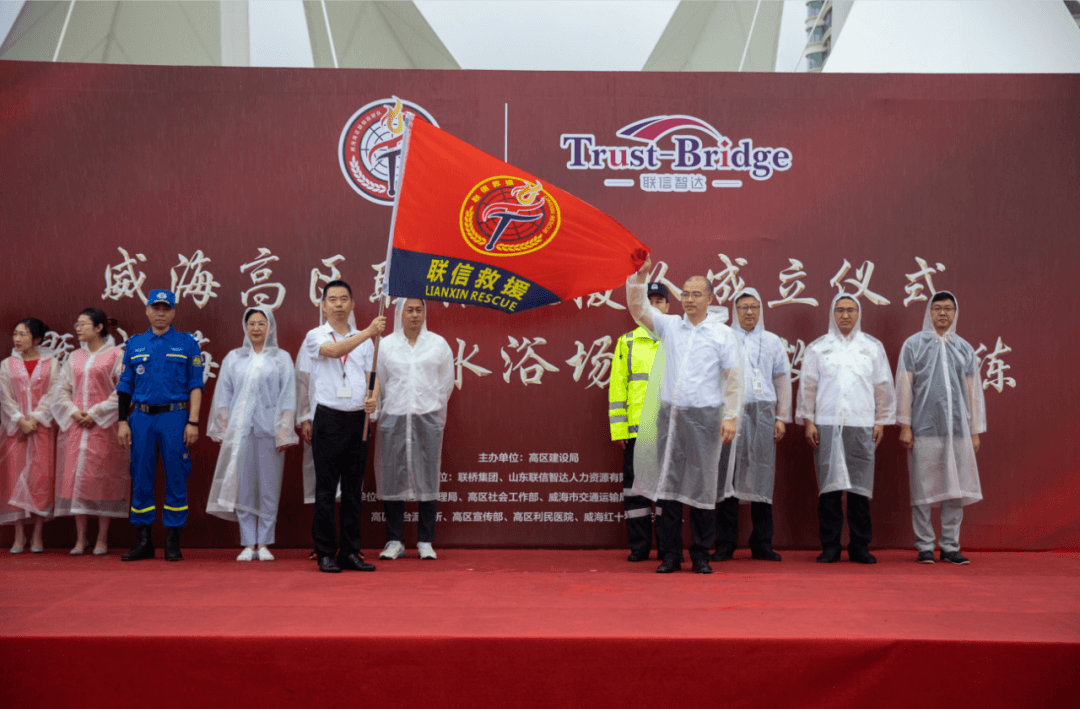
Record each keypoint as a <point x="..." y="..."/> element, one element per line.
<point x="765" y="555"/>
<point x="925" y="557"/>
<point x="172" y="544"/>
<point x="953" y="557"/>
<point x="829" y="556"/>
<point x="669" y="565"/>
<point x="328" y="565"/>
<point x="143" y="549"/>
<point x="352" y="562"/>
<point x="861" y="556"/>
<point x="638" y="556"/>
<point x="722" y="555"/>
<point x="701" y="566"/>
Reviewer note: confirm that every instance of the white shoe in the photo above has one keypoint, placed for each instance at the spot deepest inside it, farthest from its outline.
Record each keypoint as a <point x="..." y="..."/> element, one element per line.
<point x="426" y="552"/>
<point x="18" y="548"/>
<point x="265" y="555"/>
<point x="393" y="550"/>
<point x="246" y="555"/>
<point x="78" y="551"/>
<point x="100" y="551"/>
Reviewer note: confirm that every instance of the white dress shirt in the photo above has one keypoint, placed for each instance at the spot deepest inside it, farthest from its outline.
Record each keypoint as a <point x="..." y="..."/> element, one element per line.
<point x="326" y="372"/>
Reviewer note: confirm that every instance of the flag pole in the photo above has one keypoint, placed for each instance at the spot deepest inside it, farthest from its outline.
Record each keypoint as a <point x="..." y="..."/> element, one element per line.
<point x="389" y="252"/>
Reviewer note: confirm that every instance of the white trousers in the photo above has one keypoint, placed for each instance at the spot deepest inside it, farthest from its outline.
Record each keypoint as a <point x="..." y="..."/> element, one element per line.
<point x="259" y="489"/>
<point x="952" y="513"/>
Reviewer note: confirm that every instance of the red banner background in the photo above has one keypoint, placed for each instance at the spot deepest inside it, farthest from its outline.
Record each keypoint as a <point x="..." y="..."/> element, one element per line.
<point x="977" y="173"/>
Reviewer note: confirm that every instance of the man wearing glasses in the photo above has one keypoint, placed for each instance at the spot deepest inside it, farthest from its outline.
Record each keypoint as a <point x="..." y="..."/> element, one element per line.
<point x="767" y="406"/>
<point x="941" y="412"/>
<point x="691" y="408"/>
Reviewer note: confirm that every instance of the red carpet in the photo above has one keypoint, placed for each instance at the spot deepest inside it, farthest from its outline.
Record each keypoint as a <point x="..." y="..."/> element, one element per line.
<point x="539" y="628"/>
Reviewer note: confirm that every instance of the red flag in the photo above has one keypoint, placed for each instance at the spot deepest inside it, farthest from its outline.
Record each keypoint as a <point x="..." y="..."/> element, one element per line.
<point x="469" y="228"/>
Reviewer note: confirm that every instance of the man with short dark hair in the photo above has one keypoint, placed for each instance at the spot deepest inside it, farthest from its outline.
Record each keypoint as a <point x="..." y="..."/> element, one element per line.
<point x="341" y="363"/>
<point x="941" y="412"/>
<point x="691" y="409"/>
<point x="163" y="379"/>
<point x="630" y="367"/>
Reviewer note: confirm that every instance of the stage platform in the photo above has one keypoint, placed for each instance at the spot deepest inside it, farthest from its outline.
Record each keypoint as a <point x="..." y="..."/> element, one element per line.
<point x="484" y="628"/>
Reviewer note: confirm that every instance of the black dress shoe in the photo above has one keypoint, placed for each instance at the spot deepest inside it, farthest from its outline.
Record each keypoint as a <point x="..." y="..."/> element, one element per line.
<point x="353" y="562"/>
<point x="143" y="549"/>
<point x="953" y="557"/>
<point x="722" y="555"/>
<point x="861" y="556"/>
<point x="669" y="565"/>
<point x="829" y="556"/>
<point x="765" y="555"/>
<point x="328" y="565"/>
<point x="701" y="566"/>
<point x="172" y="544"/>
<point x="638" y="556"/>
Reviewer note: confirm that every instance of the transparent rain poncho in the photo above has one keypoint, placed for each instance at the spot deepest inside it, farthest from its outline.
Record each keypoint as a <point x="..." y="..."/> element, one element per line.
<point x="27" y="463"/>
<point x="92" y="466"/>
<point x="255" y="396"/>
<point x="847" y="388"/>
<point x="415" y="382"/>
<point x="695" y="384"/>
<point x="305" y="411"/>
<point x="765" y="364"/>
<point x="939" y="394"/>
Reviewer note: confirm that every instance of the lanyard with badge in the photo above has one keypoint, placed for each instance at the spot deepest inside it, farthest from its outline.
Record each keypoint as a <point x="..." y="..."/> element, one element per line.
<point x="344" y="391"/>
<point x="757" y="383"/>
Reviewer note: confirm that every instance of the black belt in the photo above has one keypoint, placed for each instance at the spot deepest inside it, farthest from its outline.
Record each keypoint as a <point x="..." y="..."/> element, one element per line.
<point x="161" y="408"/>
<point x="350" y="415"/>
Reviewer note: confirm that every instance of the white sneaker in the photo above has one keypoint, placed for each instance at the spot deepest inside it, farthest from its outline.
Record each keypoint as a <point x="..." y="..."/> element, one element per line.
<point x="393" y="550"/>
<point x="246" y="555"/>
<point x="265" y="555"/>
<point x="426" y="552"/>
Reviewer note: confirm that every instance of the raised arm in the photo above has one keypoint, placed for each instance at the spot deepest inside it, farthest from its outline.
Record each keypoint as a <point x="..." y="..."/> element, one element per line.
<point x="636" y="299"/>
<point x="348" y="344"/>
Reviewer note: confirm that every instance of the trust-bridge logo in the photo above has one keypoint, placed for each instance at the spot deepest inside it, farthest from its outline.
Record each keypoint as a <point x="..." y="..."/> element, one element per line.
<point x="696" y="154"/>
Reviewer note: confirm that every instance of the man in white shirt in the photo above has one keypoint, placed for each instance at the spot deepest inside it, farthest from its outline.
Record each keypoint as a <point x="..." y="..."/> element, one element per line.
<point x="341" y="360"/>
<point x="766" y="407"/>
<point x="692" y="404"/>
<point x="846" y="398"/>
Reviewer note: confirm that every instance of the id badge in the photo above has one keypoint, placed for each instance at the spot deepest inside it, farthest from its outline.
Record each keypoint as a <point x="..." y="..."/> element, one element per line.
<point x="344" y="392"/>
<point x="757" y="383"/>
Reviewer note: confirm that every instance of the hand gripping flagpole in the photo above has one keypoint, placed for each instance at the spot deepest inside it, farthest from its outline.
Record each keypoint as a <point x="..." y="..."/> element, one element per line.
<point x="385" y="295"/>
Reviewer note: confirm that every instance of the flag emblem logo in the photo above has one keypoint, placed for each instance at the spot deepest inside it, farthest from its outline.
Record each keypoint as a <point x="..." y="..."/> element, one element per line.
<point x="509" y="216"/>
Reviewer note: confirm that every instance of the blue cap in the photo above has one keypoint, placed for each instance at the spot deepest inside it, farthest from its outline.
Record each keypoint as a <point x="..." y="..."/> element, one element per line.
<point x="162" y="296"/>
<point x="658" y="289"/>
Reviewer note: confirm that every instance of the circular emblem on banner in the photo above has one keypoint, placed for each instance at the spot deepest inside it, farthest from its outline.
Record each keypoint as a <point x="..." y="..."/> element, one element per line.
<point x="140" y="370"/>
<point x="509" y="216"/>
<point x="370" y="148"/>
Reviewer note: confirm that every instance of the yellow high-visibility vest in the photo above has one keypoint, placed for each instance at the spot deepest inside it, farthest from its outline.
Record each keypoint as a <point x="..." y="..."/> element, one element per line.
<point x="630" y="367"/>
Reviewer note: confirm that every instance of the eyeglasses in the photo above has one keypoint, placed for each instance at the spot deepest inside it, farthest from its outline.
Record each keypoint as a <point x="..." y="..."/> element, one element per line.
<point x="846" y="311"/>
<point x="747" y="308"/>
<point x="946" y="309"/>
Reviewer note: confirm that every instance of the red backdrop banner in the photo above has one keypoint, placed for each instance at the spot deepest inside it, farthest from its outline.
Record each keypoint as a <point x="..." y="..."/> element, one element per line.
<point x="236" y="186"/>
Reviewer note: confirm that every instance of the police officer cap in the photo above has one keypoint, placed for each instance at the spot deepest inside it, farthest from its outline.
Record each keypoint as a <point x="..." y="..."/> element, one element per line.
<point x="658" y="289"/>
<point x="167" y="297"/>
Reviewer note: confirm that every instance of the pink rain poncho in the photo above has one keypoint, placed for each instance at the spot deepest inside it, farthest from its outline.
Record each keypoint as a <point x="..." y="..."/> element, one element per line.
<point x="938" y="394"/>
<point x="27" y="463"/>
<point x="92" y="467"/>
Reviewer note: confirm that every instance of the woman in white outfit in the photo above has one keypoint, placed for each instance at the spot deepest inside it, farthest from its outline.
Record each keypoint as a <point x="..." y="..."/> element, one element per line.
<point x="252" y="416"/>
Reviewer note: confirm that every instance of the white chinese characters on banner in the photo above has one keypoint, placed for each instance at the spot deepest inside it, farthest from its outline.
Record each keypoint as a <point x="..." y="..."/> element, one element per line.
<point x="795" y="354"/>
<point x="995" y="367"/>
<point x="659" y="275"/>
<point x="60" y="345"/>
<point x="791" y="286"/>
<point x="260" y="274"/>
<point x="914" y="289"/>
<point x="319" y="279"/>
<point x="532" y="373"/>
<point x="599" y="299"/>
<point x="121" y="280"/>
<point x="193" y="280"/>
<point x="727" y="283"/>
<point x="208" y="363"/>
<point x="461" y="363"/>
<point x="861" y="282"/>
<point x="597" y="356"/>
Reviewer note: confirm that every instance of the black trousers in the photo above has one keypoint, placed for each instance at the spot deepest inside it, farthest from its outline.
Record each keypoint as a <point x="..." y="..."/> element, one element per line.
<point x="669" y="530"/>
<point x="727" y="518"/>
<point x="339" y="453"/>
<point x="395" y="520"/>
<point x="639" y="525"/>
<point x="831" y="520"/>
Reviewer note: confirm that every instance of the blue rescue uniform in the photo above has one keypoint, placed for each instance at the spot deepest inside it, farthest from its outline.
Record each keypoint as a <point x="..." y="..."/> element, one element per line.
<point x="160" y="370"/>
